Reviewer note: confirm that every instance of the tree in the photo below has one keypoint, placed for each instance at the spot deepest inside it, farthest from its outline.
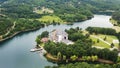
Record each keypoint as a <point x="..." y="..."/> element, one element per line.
<point x="98" y="40"/>
<point x="44" y="34"/>
<point x="64" y="57"/>
<point x="118" y="59"/>
<point x="119" y="47"/>
<point x="117" y="65"/>
<point x="112" y="45"/>
<point x="37" y="40"/>
<point x="105" y="38"/>
<point x="59" y="56"/>
<point x="94" y="58"/>
<point x="88" y="58"/>
<point x="87" y="35"/>
<point x="74" y="57"/>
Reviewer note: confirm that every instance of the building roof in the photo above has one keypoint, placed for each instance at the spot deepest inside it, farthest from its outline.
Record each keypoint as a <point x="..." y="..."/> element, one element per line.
<point x="55" y="35"/>
<point x="59" y="32"/>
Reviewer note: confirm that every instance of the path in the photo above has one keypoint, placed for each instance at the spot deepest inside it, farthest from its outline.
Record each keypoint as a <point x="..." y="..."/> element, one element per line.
<point x="104" y="42"/>
<point x="101" y="39"/>
<point x="11" y="28"/>
<point x="117" y="28"/>
<point x="98" y="47"/>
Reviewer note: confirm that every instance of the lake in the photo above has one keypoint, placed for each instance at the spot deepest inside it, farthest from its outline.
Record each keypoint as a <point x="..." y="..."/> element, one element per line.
<point x="15" y="52"/>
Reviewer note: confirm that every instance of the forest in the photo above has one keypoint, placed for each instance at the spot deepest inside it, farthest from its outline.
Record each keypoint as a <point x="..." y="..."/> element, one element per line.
<point x="116" y="16"/>
<point x="67" y="11"/>
<point x="98" y="30"/>
<point x="5" y="25"/>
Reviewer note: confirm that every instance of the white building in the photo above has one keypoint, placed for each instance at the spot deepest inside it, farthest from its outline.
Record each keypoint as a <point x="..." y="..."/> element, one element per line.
<point x="59" y="36"/>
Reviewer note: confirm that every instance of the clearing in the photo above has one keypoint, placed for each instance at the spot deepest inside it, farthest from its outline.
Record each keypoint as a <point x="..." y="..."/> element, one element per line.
<point x="50" y="19"/>
<point x="102" y="42"/>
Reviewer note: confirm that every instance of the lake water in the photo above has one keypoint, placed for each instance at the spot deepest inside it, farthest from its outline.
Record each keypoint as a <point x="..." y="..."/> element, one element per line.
<point x="15" y="53"/>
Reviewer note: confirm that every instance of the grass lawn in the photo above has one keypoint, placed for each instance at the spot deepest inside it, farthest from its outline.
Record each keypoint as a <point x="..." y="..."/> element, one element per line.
<point x="109" y="39"/>
<point x="50" y="19"/>
<point x="100" y="44"/>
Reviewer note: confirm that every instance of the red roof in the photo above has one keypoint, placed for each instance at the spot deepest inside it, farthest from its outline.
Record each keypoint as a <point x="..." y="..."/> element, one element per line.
<point x="44" y="40"/>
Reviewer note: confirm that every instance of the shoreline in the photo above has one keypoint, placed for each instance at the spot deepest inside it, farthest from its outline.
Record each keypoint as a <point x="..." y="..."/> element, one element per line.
<point x="115" y="25"/>
<point x="49" y="57"/>
<point x="9" y="37"/>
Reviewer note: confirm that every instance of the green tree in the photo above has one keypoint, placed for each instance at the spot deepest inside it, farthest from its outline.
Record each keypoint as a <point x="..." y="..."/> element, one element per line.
<point x="105" y="38"/>
<point x="98" y="40"/>
<point x="112" y="45"/>
<point x="74" y="57"/>
<point x="59" y="56"/>
<point x="37" y="40"/>
<point x="94" y="58"/>
<point x="44" y="34"/>
<point x="64" y="57"/>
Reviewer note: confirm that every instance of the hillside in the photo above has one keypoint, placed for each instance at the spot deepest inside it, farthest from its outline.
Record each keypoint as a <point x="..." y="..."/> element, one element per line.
<point x="65" y="10"/>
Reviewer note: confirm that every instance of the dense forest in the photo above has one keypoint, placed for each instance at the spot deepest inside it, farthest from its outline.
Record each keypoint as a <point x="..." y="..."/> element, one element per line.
<point x="98" y="30"/>
<point x="5" y="23"/>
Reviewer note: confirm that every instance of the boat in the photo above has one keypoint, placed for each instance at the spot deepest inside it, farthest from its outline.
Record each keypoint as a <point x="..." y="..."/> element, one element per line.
<point x="35" y="49"/>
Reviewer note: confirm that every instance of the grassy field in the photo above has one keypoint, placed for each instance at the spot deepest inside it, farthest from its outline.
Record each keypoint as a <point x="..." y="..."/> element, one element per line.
<point x="109" y="39"/>
<point x="50" y="19"/>
<point x="100" y="44"/>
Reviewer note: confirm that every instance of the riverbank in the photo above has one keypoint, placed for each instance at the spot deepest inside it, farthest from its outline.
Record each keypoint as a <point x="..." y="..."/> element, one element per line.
<point x="56" y="60"/>
<point x="9" y="37"/>
<point x="115" y="25"/>
<point x="18" y="33"/>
